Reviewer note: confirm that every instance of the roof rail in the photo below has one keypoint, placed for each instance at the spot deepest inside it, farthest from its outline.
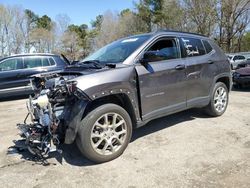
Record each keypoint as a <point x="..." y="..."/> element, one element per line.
<point x="175" y="31"/>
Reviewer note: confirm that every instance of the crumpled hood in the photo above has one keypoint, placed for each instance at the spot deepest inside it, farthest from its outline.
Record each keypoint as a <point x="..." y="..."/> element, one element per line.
<point x="243" y="71"/>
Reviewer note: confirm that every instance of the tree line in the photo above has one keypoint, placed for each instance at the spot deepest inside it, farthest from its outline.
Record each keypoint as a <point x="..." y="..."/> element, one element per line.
<point x="226" y="21"/>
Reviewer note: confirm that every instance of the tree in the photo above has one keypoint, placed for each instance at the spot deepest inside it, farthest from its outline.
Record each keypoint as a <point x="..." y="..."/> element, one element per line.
<point x="233" y="19"/>
<point x="70" y="47"/>
<point x="17" y="30"/>
<point x="129" y="23"/>
<point x="81" y="32"/>
<point x="44" y="22"/>
<point x="96" y="24"/>
<point x="145" y="13"/>
<point x="202" y="14"/>
<point x="42" y="40"/>
<point x="109" y="30"/>
<point x="246" y="42"/>
<point x="169" y="14"/>
<point x="62" y="23"/>
<point x="5" y="20"/>
<point x="31" y="20"/>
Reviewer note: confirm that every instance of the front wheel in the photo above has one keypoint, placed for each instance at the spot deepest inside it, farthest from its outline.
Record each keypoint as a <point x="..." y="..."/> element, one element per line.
<point x="219" y="100"/>
<point x="104" y="133"/>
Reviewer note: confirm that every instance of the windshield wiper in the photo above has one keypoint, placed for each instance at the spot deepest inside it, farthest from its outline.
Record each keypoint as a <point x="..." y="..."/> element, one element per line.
<point x="96" y="63"/>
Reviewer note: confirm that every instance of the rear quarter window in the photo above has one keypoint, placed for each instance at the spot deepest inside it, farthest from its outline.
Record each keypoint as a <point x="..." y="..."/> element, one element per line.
<point x="52" y="62"/>
<point x="192" y="47"/>
<point x="59" y="61"/>
<point x="208" y="47"/>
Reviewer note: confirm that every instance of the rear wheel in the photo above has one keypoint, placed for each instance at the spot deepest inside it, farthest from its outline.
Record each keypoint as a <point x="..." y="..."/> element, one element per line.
<point x="219" y="100"/>
<point x="104" y="133"/>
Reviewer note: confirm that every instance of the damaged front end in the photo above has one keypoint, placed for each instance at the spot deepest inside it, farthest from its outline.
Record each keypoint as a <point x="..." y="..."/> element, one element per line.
<point x="55" y="112"/>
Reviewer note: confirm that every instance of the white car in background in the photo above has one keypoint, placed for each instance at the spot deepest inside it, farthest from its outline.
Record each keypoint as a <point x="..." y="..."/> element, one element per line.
<point x="236" y="59"/>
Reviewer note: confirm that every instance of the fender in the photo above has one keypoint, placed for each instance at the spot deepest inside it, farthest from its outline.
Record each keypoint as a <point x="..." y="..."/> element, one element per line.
<point x="121" y="80"/>
<point x="98" y="85"/>
<point x="222" y="75"/>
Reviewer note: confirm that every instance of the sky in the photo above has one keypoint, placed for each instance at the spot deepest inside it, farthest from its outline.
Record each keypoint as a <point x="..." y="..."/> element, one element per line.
<point x="79" y="11"/>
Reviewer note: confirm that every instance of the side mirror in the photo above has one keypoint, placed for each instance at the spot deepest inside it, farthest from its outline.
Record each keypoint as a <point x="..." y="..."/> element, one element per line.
<point x="151" y="56"/>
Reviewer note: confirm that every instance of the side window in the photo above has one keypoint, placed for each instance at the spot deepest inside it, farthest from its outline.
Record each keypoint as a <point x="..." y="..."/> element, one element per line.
<point x="207" y="46"/>
<point x="45" y="62"/>
<point x="163" y="49"/>
<point x="31" y="62"/>
<point x="236" y="58"/>
<point x="11" y="64"/>
<point x="193" y="47"/>
<point x="240" y="57"/>
<point x="51" y="60"/>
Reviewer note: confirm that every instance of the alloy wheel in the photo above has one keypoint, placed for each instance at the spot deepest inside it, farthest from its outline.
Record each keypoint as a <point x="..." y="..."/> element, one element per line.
<point x="220" y="99"/>
<point x="108" y="133"/>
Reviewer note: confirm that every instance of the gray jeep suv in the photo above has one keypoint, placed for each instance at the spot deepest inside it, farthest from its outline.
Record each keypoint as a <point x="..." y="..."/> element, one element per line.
<point x="122" y="86"/>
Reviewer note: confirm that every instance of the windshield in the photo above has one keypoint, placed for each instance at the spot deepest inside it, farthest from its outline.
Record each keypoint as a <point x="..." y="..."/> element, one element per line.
<point x="118" y="51"/>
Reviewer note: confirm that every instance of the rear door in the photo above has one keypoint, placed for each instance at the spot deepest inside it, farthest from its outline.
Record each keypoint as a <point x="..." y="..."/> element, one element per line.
<point x="12" y="74"/>
<point x="37" y="65"/>
<point x="162" y="82"/>
<point x="201" y="67"/>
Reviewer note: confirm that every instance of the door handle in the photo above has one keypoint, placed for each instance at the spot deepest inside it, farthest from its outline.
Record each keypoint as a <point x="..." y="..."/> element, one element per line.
<point x="180" y="67"/>
<point x="210" y="62"/>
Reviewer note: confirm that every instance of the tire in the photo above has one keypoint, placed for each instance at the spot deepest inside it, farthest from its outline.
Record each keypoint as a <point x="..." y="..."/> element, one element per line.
<point x="96" y="132"/>
<point x="213" y="108"/>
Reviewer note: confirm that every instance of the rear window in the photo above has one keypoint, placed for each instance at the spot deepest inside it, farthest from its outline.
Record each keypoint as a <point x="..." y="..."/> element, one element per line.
<point x="207" y="46"/>
<point x="193" y="47"/>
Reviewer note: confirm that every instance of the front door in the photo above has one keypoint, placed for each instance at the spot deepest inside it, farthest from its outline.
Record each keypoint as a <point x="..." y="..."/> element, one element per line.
<point x="162" y="80"/>
<point x="12" y="75"/>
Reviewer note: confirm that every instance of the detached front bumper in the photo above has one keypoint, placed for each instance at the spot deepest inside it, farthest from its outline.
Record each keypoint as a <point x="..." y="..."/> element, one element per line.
<point x="73" y="114"/>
